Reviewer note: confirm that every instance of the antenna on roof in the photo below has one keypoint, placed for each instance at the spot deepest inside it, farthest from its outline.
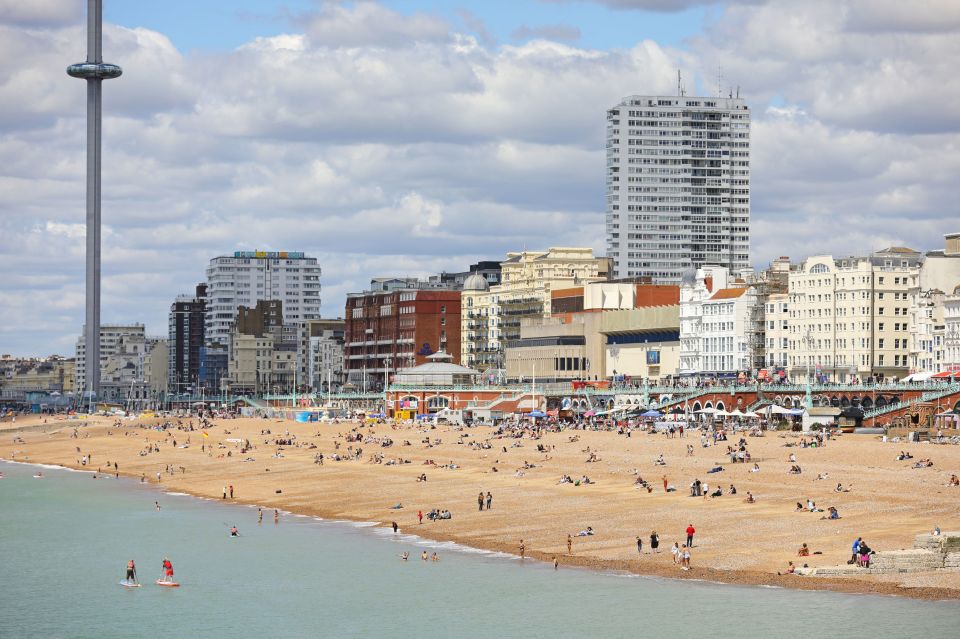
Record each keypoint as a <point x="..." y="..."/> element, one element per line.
<point x="719" y="81"/>
<point x="679" y="87"/>
<point x="738" y="91"/>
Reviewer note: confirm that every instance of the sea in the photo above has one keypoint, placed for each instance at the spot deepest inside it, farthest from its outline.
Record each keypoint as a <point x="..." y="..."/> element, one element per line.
<point x="65" y="541"/>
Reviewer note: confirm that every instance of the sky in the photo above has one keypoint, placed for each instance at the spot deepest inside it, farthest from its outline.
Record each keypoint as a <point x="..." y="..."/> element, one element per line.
<point x="406" y="137"/>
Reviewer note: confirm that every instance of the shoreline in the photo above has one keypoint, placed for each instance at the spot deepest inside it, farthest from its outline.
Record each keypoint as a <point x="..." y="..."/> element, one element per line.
<point x="744" y="578"/>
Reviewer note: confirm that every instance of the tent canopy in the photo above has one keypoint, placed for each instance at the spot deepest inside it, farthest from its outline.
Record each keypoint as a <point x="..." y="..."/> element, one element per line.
<point x="651" y="413"/>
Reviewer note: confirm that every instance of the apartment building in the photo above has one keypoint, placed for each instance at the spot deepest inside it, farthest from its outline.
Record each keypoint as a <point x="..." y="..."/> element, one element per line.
<point x="677" y="185"/>
<point x="395" y="329"/>
<point x="716" y="324"/>
<point x="850" y="317"/>
<point x="248" y="277"/>
<point x="492" y="315"/>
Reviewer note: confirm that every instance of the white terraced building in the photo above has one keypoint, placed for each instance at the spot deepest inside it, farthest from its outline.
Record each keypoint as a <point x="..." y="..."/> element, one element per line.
<point x="715" y="315"/>
<point x="678" y="186"/>
<point x="248" y="277"/>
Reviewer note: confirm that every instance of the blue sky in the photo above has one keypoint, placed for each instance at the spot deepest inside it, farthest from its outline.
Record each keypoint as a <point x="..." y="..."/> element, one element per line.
<point x="225" y="24"/>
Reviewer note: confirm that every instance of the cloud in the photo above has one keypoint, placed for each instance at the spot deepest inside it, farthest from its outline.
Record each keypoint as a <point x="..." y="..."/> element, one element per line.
<point x="387" y="144"/>
<point x="369" y="24"/>
<point x="476" y="25"/>
<point x="40" y="13"/>
<point x="559" y="32"/>
<point x="667" y="6"/>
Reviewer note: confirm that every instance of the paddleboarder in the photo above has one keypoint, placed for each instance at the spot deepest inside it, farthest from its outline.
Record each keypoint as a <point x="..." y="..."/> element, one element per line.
<point x="167" y="570"/>
<point x="131" y="572"/>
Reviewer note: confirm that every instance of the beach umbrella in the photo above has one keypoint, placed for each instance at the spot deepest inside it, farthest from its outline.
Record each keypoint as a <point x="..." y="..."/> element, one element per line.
<point x="676" y="410"/>
<point x="651" y="413"/>
<point x="590" y="413"/>
<point x="750" y="414"/>
<point x="706" y="411"/>
<point x="737" y="413"/>
<point x="722" y="413"/>
<point x="779" y="410"/>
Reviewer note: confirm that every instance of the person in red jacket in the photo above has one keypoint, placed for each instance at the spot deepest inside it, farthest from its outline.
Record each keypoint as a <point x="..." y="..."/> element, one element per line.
<point x="690" y="532"/>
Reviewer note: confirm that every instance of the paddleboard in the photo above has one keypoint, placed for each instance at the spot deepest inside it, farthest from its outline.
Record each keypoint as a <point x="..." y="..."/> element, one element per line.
<point x="169" y="584"/>
<point x="127" y="584"/>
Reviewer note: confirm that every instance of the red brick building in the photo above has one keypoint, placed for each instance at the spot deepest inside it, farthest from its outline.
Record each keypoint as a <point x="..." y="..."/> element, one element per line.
<point x="389" y="330"/>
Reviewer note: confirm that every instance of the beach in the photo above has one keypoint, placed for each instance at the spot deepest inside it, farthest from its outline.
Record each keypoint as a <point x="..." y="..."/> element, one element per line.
<point x="735" y="542"/>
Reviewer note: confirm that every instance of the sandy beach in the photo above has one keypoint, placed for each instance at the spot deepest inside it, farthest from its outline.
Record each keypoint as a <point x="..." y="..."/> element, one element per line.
<point x="737" y="542"/>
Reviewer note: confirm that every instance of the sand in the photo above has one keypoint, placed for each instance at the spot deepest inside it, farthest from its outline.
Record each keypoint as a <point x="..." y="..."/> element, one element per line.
<point x="735" y="542"/>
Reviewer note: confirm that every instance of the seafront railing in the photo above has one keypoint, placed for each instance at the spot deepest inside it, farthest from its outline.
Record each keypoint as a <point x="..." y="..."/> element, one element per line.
<point x="929" y="396"/>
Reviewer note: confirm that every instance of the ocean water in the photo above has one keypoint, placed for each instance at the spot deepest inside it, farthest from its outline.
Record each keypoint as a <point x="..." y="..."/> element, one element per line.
<point x="65" y="541"/>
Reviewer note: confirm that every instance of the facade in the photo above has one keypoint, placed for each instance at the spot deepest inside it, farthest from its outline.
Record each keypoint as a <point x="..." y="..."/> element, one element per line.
<point x="492" y="315"/>
<point x="927" y="331"/>
<point x="391" y="330"/>
<point x="263" y="351"/>
<point x="248" y="277"/>
<point x="716" y="318"/>
<point x="598" y="330"/>
<point x="321" y="347"/>
<point x="777" y="334"/>
<point x="678" y="185"/>
<point x="156" y="368"/>
<point x="51" y="375"/>
<point x="951" y="332"/>
<point x="489" y="270"/>
<point x="259" y="367"/>
<point x="850" y="317"/>
<point x="186" y="336"/>
<point x="112" y="343"/>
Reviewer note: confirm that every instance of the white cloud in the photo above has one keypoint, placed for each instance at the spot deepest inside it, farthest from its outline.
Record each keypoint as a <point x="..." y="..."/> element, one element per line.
<point x="40" y="13"/>
<point x="389" y="144"/>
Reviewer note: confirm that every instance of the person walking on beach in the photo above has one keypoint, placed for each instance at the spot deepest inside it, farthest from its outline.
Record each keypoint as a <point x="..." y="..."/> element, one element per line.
<point x="489" y="500"/>
<point x="665" y="485"/>
<point x="395" y="527"/>
<point x="523" y="549"/>
<point x="131" y="572"/>
<point x="690" y="533"/>
<point x="639" y="545"/>
<point x="480" y="501"/>
<point x="231" y="491"/>
<point x="420" y="516"/>
<point x="224" y="492"/>
<point x="654" y="542"/>
<point x="569" y="544"/>
<point x="675" y="551"/>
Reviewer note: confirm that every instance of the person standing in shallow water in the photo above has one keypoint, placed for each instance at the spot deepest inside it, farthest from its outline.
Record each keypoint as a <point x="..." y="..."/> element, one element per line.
<point x="259" y="515"/>
<point x="523" y="549"/>
<point x="395" y="527"/>
<point x="276" y="516"/>
<point x="569" y="544"/>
